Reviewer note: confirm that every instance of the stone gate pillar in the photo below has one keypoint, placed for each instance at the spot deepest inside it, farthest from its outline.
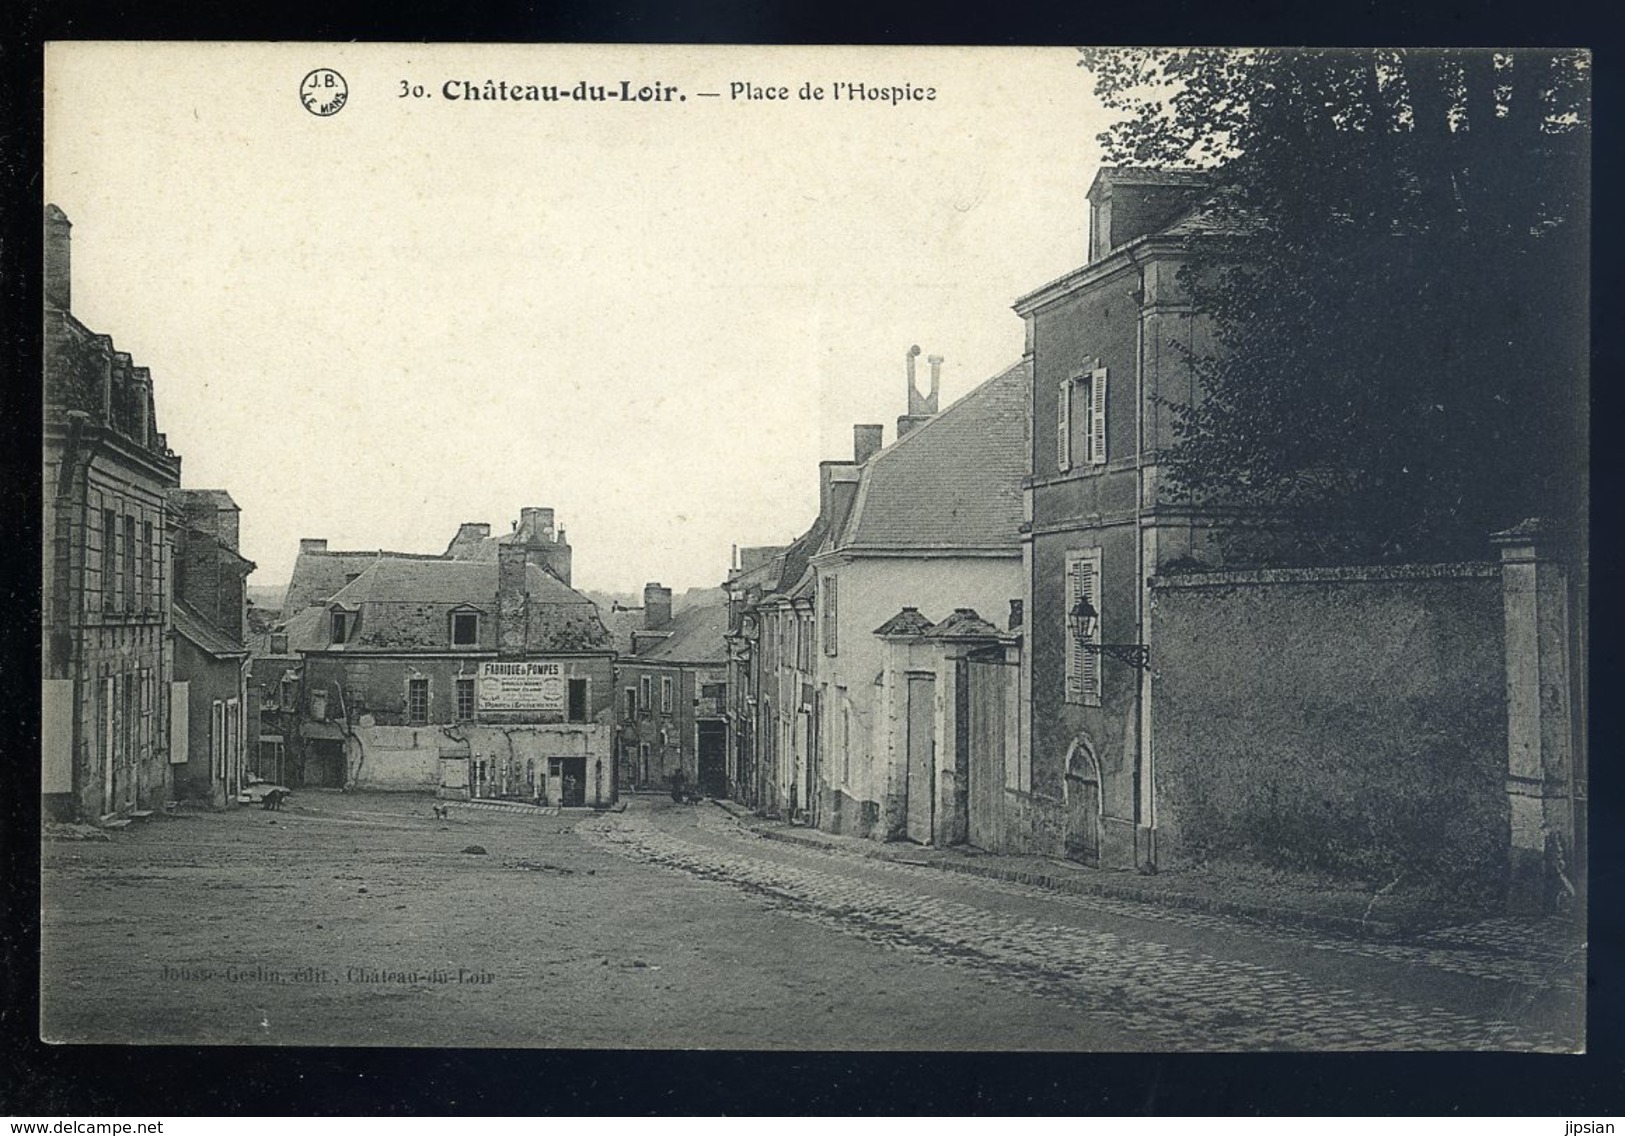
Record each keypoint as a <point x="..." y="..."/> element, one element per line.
<point x="1542" y="665"/>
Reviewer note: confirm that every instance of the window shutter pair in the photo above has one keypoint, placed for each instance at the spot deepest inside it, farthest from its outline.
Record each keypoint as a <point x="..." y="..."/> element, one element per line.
<point x="1095" y="408"/>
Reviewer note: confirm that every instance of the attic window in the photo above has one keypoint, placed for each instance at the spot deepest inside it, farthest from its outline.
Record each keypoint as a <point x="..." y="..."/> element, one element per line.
<point x="465" y="628"/>
<point x="279" y="643"/>
<point x="341" y="626"/>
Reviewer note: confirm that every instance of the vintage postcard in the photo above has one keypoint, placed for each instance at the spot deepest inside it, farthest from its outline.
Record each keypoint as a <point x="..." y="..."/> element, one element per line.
<point x="814" y="548"/>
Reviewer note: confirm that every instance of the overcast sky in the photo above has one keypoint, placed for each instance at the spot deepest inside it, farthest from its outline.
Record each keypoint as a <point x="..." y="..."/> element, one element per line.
<point x="654" y="318"/>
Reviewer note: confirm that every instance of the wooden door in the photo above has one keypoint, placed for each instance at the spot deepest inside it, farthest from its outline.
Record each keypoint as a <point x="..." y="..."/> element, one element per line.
<point x="985" y="737"/>
<point x="922" y="755"/>
<point x="1083" y="819"/>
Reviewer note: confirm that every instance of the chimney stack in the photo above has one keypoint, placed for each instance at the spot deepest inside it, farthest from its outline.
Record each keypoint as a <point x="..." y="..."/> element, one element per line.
<point x="921" y="407"/>
<point x="58" y="259"/>
<point x="512" y="599"/>
<point x="142" y="378"/>
<point x="536" y="525"/>
<point x="866" y="441"/>
<point x="656" y="607"/>
<point x="312" y="544"/>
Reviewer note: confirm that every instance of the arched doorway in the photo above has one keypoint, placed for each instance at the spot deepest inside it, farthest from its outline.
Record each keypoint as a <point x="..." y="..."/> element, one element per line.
<point x="1082" y="794"/>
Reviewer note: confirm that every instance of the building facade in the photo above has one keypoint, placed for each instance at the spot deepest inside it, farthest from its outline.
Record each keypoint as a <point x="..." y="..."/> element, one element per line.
<point x="471" y="678"/>
<point x="1110" y="347"/>
<point x="211" y="670"/>
<point x="672" y="698"/>
<point x="771" y="640"/>
<point x="932" y="521"/>
<point x="108" y="652"/>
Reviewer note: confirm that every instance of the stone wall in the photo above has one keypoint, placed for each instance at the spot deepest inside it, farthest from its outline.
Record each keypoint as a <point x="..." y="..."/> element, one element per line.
<point x="1347" y="721"/>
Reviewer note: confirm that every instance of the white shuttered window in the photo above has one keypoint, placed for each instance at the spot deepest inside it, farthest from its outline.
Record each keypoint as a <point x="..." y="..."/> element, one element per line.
<point x="1080" y="420"/>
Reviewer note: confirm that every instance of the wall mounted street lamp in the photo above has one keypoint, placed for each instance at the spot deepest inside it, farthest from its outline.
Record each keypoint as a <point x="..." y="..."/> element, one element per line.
<point x="1083" y="621"/>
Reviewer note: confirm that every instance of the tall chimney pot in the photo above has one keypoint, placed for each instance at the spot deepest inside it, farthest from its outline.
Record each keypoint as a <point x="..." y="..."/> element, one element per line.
<point x="536" y="524"/>
<point x="512" y="563"/>
<point x="656" y="607"/>
<point x="866" y="441"/>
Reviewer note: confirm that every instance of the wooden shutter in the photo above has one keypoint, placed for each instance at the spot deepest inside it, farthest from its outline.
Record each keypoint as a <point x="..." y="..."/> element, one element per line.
<point x="1097" y="417"/>
<point x="1063" y="426"/>
<point x="1074" y="656"/>
<point x="831" y="615"/>
<point x="1082" y="667"/>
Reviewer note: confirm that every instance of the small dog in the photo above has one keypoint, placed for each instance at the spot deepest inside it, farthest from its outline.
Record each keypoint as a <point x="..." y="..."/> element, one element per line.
<point x="273" y="800"/>
<point x="442" y="812"/>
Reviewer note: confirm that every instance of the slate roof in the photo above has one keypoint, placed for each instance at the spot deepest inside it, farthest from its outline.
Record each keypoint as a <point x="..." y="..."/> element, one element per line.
<point x="909" y="621"/>
<point x="215" y="498"/>
<point x="306" y="631"/>
<point x="318" y="576"/>
<point x="964" y="623"/>
<point x="696" y="637"/>
<point x="795" y="580"/>
<point x="405" y="605"/>
<point x="205" y="636"/>
<point x="621" y="622"/>
<point x="953" y="482"/>
<point x="395" y="580"/>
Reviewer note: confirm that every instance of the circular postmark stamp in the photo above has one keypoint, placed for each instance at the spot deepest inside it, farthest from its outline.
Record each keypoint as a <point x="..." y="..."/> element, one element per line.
<point x="324" y="92"/>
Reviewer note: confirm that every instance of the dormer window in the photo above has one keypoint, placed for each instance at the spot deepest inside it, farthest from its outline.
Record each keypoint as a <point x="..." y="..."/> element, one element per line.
<point x="343" y="623"/>
<point x="465" y="628"/>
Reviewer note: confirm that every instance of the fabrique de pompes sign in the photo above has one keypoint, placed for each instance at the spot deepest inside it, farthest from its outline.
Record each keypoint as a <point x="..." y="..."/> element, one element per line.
<point x="522" y="686"/>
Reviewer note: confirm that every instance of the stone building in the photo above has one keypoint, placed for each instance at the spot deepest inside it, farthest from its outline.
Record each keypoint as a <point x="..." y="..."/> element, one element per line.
<point x="672" y="697"/>
<point x="212" y="690"/>
<point x="771" y="639"/>
<point x="932" y="521"/>
<point x="105" y="604"/>
<point x="1109" y="348"/>
<point x="754" y="573"/>
<point x="1416" y="723"/>
<point x="473" y="678"/>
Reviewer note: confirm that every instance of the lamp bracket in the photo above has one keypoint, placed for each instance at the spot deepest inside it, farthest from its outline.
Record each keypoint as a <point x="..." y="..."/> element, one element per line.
<point x="1136" y="655"/>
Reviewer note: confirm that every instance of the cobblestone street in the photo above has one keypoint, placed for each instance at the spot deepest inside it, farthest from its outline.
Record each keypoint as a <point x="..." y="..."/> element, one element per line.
<point x="1176" y="980"/>
<point x="362" y="919"/>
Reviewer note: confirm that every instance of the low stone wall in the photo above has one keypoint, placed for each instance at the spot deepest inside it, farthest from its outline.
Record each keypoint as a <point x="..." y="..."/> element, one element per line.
<point x="847" y="816"/>
<point x="1348" y="721"/>
<point x="1033" y="826"/>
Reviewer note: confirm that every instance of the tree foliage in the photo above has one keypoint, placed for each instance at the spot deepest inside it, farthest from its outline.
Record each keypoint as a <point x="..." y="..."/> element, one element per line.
<point x="1401" y="329"/>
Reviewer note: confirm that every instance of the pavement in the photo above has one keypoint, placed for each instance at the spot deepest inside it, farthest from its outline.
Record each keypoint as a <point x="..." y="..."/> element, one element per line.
<point x="1278" y="898"/>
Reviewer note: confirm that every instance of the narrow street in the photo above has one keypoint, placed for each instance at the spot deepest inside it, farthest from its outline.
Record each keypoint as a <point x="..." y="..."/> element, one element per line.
<point x="361" y="919"/>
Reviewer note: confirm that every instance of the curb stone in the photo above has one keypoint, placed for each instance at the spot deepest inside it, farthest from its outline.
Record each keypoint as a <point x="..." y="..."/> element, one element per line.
<point x="1338" y="924"/>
